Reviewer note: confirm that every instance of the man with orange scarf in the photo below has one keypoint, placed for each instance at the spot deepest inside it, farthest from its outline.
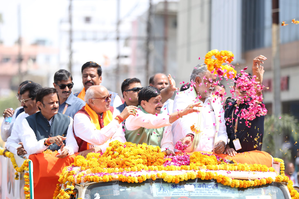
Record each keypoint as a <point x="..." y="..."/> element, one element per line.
<point x="92" y="75"/>
<point x="94" y="125"/>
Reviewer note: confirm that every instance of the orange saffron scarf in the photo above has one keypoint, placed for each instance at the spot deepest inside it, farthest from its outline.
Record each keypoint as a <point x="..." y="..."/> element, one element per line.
<point x="82" y="94"/>
<point x="107" y="117"/>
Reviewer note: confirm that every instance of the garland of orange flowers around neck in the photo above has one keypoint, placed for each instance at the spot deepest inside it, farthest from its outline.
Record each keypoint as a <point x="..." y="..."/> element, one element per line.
<point x="122" y="160"/>
<point x="24" y="168"/>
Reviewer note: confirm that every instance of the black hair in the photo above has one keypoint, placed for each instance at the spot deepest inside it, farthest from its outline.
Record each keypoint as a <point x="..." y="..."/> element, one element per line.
<point x="151" y="80"/>
<point x="32" y="88"/>
<point x="62" y="75"/>
<point x="93" y="65"/>
<point x="24" y="82"/>
<point x="126" y="83"/>
<point x="185" y="86"/>
<point x="147" y="93"/>
<point x="44" y="92"/>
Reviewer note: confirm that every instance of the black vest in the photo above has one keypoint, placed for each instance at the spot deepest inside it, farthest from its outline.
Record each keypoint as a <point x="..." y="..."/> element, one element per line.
<point x="42" y="129"/>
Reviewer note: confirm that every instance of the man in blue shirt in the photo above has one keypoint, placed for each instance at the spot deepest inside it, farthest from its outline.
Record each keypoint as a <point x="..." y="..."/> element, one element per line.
<point x="130" y="89"/>
<point x="69" y="104"/>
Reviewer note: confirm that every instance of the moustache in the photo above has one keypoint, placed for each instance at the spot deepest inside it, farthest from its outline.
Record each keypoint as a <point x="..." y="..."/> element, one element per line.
<point x="54" y="108"/>
<point x="66" y="92"/>
<point x="25" y="107"/>
<point x="89" y="82"/>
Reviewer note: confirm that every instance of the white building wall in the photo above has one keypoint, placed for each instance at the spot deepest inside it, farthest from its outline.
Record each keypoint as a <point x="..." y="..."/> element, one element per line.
<point x="226" y="28"/>
<point x="193" y="36"/>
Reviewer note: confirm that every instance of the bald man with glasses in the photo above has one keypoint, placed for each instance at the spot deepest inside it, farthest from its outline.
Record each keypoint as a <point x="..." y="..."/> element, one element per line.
<point x="95" y="125"/>
<point x="69" y="104"/>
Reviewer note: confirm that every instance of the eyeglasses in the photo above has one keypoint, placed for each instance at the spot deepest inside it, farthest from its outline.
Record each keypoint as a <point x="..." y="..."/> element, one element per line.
<point x="25" y="100"/>
<point x="107" y="98"/>
<point x="62" y="86"/>
<point x="135" y="89"/>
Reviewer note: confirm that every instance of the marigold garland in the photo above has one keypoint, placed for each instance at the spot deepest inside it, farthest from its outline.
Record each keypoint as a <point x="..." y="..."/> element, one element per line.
<point x="23" y="168"/>
<point x="216" y="65"/>
<point x="110" y="166"/>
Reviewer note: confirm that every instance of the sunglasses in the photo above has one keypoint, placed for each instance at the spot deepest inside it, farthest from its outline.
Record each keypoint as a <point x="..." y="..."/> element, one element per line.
<point x="25" y="100"/>
<point x="135" y="89"/>
<point x="107" y="98"/>
<point x="62" y="86"/>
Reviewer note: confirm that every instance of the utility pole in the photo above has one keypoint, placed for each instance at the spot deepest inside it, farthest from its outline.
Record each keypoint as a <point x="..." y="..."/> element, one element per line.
<point x="19" y="45"/>
<point x="148" y="39"/>
<point x="165" y="36"/>
<point x="70" y="37"/>
<point x="275" y="58"/>
<point x="117" y="46"/>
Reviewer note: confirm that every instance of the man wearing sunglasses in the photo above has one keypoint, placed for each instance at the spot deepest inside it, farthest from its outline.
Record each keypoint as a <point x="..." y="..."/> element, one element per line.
<point x="95" y="126"/>
<point x="130" y="89"/>
<point x="27" y="98"/>
<point x="92" y="75"/>
<point x="69" y="104"/>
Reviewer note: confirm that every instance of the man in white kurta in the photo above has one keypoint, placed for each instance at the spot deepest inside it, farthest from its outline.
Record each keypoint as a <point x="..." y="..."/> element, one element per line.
<point x="94" y="125"/>
<point x="151" y="127"/>
<point x="210" y="119"/>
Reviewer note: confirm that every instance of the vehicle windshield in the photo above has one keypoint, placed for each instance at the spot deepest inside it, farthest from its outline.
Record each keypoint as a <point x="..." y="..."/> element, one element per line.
<point x="190" y="189"/>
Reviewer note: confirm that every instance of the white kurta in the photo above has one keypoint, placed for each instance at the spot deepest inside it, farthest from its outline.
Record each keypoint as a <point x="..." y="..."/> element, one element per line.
<point x="14" y="139"/>
<point x="150" y="121"/>
<point x="34" y="146"/>
<point x="85" y="130"/>
<point x="212" y="120"/>
<point x="6" y="133"/>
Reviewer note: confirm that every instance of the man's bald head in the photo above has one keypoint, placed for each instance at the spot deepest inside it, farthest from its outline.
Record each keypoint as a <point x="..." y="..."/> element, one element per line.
<point x="95" y="91"/>
<point x="97" y="97"/>
<point x="159" y="81"/>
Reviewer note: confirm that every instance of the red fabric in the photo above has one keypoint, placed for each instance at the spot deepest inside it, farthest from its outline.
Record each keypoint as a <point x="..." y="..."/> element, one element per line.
<point x="46" y="171"/>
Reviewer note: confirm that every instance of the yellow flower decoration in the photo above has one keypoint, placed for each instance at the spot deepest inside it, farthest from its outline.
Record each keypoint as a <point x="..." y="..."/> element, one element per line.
<point x="216" y="65"/>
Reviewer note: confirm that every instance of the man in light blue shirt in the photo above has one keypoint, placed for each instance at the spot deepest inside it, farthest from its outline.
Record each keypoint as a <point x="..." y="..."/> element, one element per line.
<point x="69" y="104"/>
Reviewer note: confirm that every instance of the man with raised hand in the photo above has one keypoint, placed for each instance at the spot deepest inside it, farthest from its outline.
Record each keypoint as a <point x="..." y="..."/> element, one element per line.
<point x="47" y="129"/>
<point x="246" y="134"/>
<point x="92" y="75"/>
<point x="6" y="132"/>
<point x="162" y="82"/>
<point x="209" y="132"/>
<point x="148" y="125"/>
<point x="94" y="125"/>
<point x="68" y="103"/>
<point x="28" y="102"/>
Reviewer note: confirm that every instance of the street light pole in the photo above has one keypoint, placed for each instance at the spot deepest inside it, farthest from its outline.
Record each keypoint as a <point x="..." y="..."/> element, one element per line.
<point x="275" y="58"/>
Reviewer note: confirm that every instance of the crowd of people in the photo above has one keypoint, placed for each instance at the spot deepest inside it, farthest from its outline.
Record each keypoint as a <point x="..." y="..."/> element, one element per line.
<point x="200" y="117"/>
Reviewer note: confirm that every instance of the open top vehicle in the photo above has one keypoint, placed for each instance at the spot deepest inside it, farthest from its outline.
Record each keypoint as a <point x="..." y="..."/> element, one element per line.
<point x="129" y="170"/>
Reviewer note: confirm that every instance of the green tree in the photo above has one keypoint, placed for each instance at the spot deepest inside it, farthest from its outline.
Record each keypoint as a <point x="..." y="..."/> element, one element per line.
<point x="276" y="130"/>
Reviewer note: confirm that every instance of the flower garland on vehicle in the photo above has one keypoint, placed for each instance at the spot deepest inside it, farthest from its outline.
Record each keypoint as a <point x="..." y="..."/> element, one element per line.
<point x="109" y="166"/>
<point x="215" y="65"/>
<point x="23" y="168"/>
